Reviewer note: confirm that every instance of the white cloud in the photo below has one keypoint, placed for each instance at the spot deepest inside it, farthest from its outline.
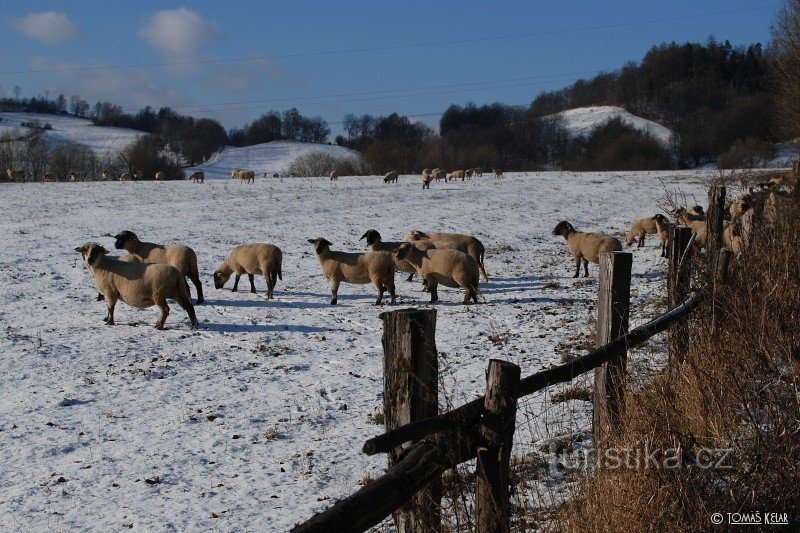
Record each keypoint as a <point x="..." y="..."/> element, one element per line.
<point x="48" y="27"/>
<point x="178" y="32"/>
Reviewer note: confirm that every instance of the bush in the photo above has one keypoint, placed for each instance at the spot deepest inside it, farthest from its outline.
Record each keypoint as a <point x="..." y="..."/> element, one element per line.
<point x="147" y="154"/>
<point x="322" y="163"/>
<point x="747" y="153"/>
<point x="615" y="145"/>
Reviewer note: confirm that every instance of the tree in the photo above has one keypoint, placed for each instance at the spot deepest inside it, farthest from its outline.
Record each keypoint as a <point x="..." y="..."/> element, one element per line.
<point x="786" y="64"/>
<point x="17" y="91"/>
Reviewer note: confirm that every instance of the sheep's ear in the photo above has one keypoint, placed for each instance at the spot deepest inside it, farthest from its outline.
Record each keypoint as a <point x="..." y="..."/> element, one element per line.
<point x="364" y="236"/>
<point x="312" y="241"/>
<point x="102" y="250"/>
<point x="81" y="250"/>
<point x="325" y="241"/>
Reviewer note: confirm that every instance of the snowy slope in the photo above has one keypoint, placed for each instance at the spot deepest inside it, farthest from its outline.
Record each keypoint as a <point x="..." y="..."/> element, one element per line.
<point x="272" y="157"/>
<point x="259" y="417"/>
<point x="102" y="140"/>
<point x="580" y="121"/>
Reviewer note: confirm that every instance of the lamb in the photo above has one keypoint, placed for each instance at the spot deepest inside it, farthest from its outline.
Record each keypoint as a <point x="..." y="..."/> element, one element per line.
<point x="181" y="257"/>
<point x="15" y="175"/>
<point x="451" y="268"/>
<point x="74" y="176"/>
<point x="696" y="222"/>
<point x="49" y="176"/>
<point x="357" y="268"/>
<point x="391" y="177"/>
<point x="663" y="226"/>
<point x="426" y="178"/>
<point x="439" y="174"/>
<point x="160" y="176"/>
<point x="125" y="176"/>
<point x="105" y="175"/>
<point x="138" y="175"/>
<point x="334" y="175"/>
<point x="473" y="247"/>
<point x="640" y="228"/>
<point x="586" y="246"/>
<point x="198" y="177"/>
<point x="136" y="284"/>
<point x="497" y="173"/>
<point x="456" y="174"/>
<point x="376" y="244"/>
<point x="469" y="172"/>
<point x="255" y="258"/>
<point x="478" y="172"/>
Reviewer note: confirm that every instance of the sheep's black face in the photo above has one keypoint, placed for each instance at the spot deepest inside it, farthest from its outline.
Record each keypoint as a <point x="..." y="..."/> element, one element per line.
<point x="122" y="239"/>
<point x="402" y="252"/>
<point x="220" y="279"/>
<point x="372" y="236"/>
<point x="563" y="228"/>
<point x="320" y="244"/>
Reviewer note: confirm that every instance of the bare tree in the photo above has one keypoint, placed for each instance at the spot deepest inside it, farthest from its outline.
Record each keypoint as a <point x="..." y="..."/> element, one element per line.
<point x="786" y="64"/>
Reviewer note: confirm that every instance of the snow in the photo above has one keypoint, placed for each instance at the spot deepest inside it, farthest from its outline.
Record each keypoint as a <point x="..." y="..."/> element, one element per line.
<point x="581" y="120"/>
<point x="259" y="416"/>
<point x="102" y="140"/>
<point x="272" y="157"/>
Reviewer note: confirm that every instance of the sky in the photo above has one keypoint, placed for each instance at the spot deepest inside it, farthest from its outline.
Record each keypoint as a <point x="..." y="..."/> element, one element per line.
<point x="235" y="60"/>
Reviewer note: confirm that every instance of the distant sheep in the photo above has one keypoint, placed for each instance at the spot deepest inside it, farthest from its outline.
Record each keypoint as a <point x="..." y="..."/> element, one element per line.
<point x="357" y="268"/>
<point x="497" y="173"/>
<point x="426" y="178"/>
<point x="15" y="175"/>
<point x="74" y="176"/>
<point x="439" y="174"/>
<point x="49" y="176"/>
<point x="640" y="228"/>
<point x="125" y="176"/>
<point x="586" y="247"/>
<point x="694" y="221"/>
<point x="160" y="176"/>
<point x="247" y="176"/>
<point x="478" y="172"/>
<point x="198" y="177"/>
<point x="136" y="284"/>
<point x="255" y="258"/>
<point x="181" y="257"/>
<point x="450" y="268"/>
<point x="469" y="172"/>
<point x="138" y="175"/>
<point x="106" y="175"/>
<point x="391" y="177"/>
<point x="663" y="225"/>
<point x="456" y="174"/>
<point x="334" y="175"/>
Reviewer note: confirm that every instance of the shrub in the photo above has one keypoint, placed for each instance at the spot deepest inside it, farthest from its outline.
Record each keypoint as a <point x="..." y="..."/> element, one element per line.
<point x="322" y="163"/>
<point x="747" y="153"/>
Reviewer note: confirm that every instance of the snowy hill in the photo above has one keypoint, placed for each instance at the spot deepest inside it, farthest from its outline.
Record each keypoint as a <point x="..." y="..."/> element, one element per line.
<point x="272" y="157"/>
<point x="102" y="140"/>
<point x="580" y="121"/>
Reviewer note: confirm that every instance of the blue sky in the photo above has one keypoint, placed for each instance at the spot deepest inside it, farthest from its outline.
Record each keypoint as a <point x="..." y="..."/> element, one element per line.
<point x="235" y="60"/>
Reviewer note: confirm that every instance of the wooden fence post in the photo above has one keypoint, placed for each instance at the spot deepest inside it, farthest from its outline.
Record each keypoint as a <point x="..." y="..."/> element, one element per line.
<point x="613" y="308"/>
<point x="492" y="497"/>
<point x="678" y="284"/>
<point x="715" y="221"/>
<point x="411" y="393"/>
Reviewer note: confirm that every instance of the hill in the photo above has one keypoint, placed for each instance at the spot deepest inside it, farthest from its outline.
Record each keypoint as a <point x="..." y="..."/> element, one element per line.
<point x="580" y="122"/>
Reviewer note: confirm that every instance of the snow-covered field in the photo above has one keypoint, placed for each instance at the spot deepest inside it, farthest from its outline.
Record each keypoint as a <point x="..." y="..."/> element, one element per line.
<point x="102" y="140"/>
<point x="272" y="157"/>
<point x="581" y="120"/>
<point x="256" y="421"/>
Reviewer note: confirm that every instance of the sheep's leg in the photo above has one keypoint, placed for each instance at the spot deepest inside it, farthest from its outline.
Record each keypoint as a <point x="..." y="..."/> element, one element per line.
<point x="197" y="285"/>
<point x="641" y="240"/>
<point x="585" y="268"/>
<point x="391" y="290"/>
<point x="475" y="293"/>
<point x="334" y="291"/>
<point x="236" y="283"/>
<point x="110" y="303"/>
<point x="162" y="305"/>
<point x="410" y="277"/>
<point x="432" y="287"/>
<point x="100" y="297"/>
<point x="270" y="282"/>
<point x="251" y="277"/>
<point x="187" y="306"/>
<point x="577" y="267"/>
<point x="381" y="290"/>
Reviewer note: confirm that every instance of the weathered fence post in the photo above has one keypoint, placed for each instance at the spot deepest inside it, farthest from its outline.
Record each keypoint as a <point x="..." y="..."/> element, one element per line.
<point x="492" y="498"/>
<point x="613" y="308"/>
<point x="723" y="265"/>
<point x="715" y="221"/>
<point x="678" y="285"/>
<point x="411" y="393"/>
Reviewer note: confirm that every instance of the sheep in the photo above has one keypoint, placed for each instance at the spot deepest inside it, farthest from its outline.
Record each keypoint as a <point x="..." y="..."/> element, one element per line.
<point x="469" y="173"/>
<point x="15" y="175"/>
<point x="455" y="175"/>
<point x="426" y="178"/>
<point x="49" y="176"/>
<point x="198" y="177"/>
<point x="586" y="246"/>
<point x="160" y="176"/>
<point x="247" y="176"/>
<point x="357" y="268"/>
<point x="473" y="246"/>
<point x="663" y="226"/>
<point x="138" y="175"/>
<point x="439" y="174"/>
<point x="478" y="172"/>
<point x="125" y="176"/>
<point x="136" y="284"/>
<point x="737" y="233"/>
<point x="390" y="177"/>
<point x="451" y="268"/>
<point x="106" y="175"/>
<point x="694" y="221"/>
<point x="74" y="176"/>
<point x="376" y="244"/>
<point x="497" y="173"/>
<point x="334" y="175"/>
<point x="255" y="258"/>
<point x="640" y="228"/>
<point x="181" y="257"/>
<point x="697" y="211"/>
<point x="128" y="258"/>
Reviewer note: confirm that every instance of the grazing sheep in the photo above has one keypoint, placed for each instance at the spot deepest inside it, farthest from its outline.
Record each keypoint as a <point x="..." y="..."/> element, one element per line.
<point x="198" y="177"/>
<point x="471" y="245"/>
<point x="640" y="228"/>
<point x="15" y="175"/>
<point x="456" y="174"/>
<point x="136" y="284"/>
<point x="451" y="268"/>
<point x="160" y="176"/>
<point x="334" y="175"/>
<point x="439" y="174"/>
<point x="390" y="177"/>
<point x="125" y="176"/>
<point x="376" y="244"/>
<point x="255" y="258"/>
<point x="497" y="173"/>
<point x="181" y="257"/>
<point x="106" y="175"/>
<point x="247" y="176"/>
<point x="694" y="221"/>
<point x="586" y="247"/>
<point x="469" y="172"/>
<point x="426" y="178"/>
<point x="478" y="172"/>
<point x="663" y="226"/>
<point x="74" y="176"/>
<point x="138" y="175"/>
<point x="357" y="268"/>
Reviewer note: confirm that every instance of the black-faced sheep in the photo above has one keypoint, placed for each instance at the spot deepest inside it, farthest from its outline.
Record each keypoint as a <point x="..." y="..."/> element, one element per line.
<point x="473" y="246"/>
<point x="391" y="177"/>
<point x="255" y="258"/>
<point x="451" y="268"/>
<point x="586" y="247"/>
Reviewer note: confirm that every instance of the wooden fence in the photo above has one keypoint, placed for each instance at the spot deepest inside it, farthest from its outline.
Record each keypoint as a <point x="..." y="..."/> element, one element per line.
<point x="422" y="445"/>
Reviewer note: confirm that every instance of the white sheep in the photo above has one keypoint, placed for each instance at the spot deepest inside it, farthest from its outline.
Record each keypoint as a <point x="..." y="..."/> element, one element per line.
<point x="138" y="175"/>
<point x="334" y="175"/>
<point x="198" y="177"/>
<point x="472" y="245"/>
<point x="15" y="175"/>
<point x="160" y="176"/>
<point x="254" y="258"/>
<point x="125" y="176"/>
<point x="497" y="173"/>
<point x="450" y="268"/>
<point x="586" y="247"/>
<point x="136" y="284"/>
<point x="426" y="178"/>
<point x="356" y="268"/>
<point x="391" y="177"/>
<point x="74" y="176"/>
